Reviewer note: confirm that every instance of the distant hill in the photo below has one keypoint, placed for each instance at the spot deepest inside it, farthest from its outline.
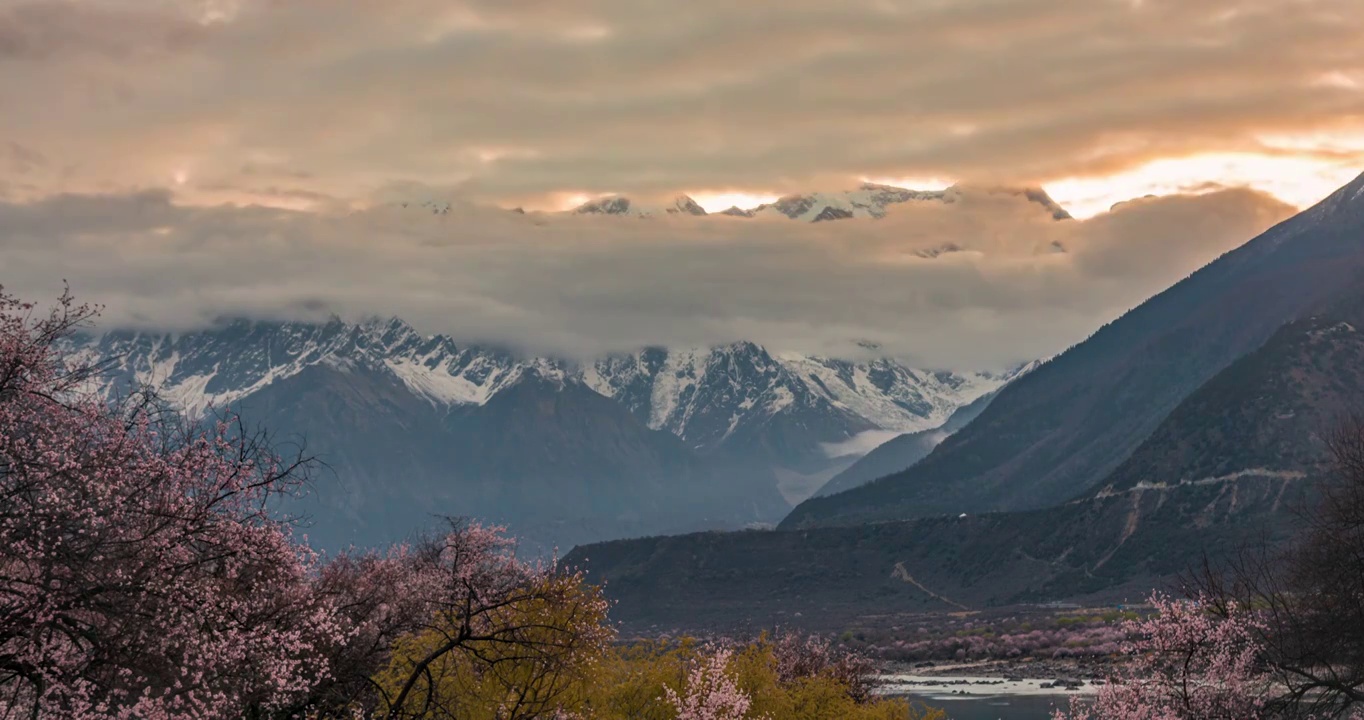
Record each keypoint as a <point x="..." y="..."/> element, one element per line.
<point x="1062" y="429"/>
<point x="1106" y="549"/>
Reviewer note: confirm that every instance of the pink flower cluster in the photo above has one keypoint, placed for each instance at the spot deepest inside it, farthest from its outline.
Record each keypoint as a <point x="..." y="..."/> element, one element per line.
<point x="806" y="656"/>
<point x="1187" y="664"/>
<point x="710" y="692"/>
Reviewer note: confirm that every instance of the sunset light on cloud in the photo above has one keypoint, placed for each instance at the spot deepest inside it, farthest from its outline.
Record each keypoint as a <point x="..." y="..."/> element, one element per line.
<point x="532" y="103"/>
<point x="1297" y="180"/>
<point x="718" y="201"/>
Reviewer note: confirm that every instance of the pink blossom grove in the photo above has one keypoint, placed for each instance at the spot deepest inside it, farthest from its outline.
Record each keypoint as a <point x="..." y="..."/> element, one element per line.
<point x="145" y="576"/>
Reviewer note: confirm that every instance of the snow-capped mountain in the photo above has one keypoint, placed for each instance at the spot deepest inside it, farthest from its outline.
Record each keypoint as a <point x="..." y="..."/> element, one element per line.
<point x="635" y="443"/>
<point x="867" y="201"/>
<point x="616" y="205"/>
<point x="870" y="200"/>
<point x="221" y="366"/>
<point x="704" y="396"/>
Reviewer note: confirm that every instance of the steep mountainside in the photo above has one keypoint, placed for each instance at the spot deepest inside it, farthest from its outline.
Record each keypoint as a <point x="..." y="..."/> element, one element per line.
<point x="1263" y="415"/>
<point x="902" y="451"/>
<point x="1060" y="430"/>
<point x="556" y="461"/>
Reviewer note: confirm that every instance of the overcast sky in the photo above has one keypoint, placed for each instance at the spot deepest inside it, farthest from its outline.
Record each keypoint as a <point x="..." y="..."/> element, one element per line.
<point x="125" y="125"/>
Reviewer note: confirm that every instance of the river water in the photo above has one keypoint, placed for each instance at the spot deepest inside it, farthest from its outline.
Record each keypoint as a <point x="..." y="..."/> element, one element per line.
<point x="972" y="698"/>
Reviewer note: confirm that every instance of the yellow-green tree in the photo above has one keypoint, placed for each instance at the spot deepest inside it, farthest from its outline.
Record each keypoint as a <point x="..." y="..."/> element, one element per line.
<point x="786" y="678"/>
<point x="789" y="677"/>
<point x="509" y="641"/>
<point x="515" y="645"/>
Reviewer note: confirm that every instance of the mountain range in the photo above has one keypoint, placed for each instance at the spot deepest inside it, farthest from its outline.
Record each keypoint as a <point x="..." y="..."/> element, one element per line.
<point x="869" y="200"/>
<point x="1184" y="430"/>
<point x="661" y="440"/>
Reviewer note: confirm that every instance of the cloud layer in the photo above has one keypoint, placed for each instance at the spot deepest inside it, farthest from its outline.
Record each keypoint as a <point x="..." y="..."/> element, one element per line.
<point x="304" y="101"/>
<point x="582" y="286"/>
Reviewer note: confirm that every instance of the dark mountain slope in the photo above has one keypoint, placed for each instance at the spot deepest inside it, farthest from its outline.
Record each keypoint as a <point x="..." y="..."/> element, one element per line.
<point x="550" y="448"/>
<point x="902" y="451"/>
<point x="1265" y="413"/>
<point x="825" y="578"/>
<point x="556" y="461"/>
<point x="1061" y="429"/>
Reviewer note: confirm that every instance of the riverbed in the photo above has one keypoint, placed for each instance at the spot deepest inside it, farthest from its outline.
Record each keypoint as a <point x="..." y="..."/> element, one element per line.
<point x="987" y="698"/>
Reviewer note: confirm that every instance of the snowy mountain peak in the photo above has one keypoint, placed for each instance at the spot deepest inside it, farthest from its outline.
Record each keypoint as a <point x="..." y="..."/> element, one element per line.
<point x="617" y="205"/>
<point x="1347" y="198"/>
<point x="867" y="201"/>
<point x="684" y="205"/>
<point x="605" y="206"/>
<point x="710" y="397"/>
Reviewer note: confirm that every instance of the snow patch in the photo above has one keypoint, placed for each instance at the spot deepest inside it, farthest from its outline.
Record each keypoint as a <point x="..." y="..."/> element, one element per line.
<point x="1146" y="485"/>
<point x="915" y="400"/>
<point x="437" y="384"/>
<point x="782" y="398"/>
<point x="681" y="372"/>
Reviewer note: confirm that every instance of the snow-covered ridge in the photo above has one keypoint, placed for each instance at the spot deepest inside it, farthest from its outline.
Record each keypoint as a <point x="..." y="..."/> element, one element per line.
<point x="869" y="200"/>
<point x="703" y="395"/>
<point x="616" y="205"/>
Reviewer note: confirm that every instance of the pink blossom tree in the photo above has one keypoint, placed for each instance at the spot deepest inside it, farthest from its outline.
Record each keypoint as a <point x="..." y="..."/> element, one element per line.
<point x="145" y="575"/>
<point x="141" y="572"/>
<point x="1187" y="664"/>
<point x="710" y="692"/>
<point x="807" y="656"/>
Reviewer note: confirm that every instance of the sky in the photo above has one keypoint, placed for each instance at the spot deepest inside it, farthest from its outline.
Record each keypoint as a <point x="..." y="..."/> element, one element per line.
<point x="169" y="138"/>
